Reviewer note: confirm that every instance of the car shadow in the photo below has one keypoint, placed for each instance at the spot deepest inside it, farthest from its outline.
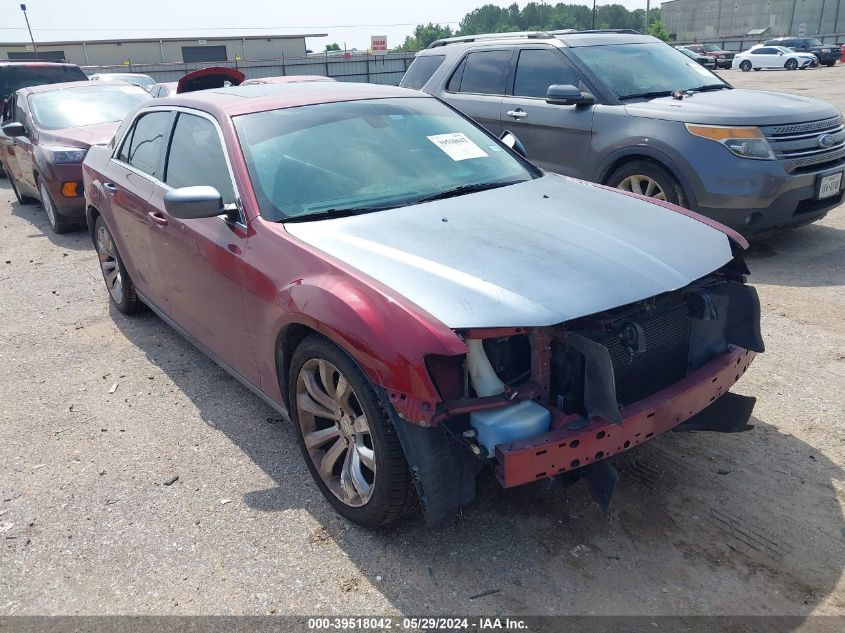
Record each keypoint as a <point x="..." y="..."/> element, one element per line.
<point x="700" y="523"/>
<point x="33" y="212"/>
<point x="809" y="256"/>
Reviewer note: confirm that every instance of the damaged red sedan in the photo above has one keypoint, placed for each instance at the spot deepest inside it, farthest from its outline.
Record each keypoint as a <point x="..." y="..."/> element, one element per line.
<point x="421" y="299"/>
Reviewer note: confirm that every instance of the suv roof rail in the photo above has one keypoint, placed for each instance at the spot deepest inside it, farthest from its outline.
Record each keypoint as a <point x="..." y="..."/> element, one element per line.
<point x="621" y="31"/>
<point x="536" y="35"/>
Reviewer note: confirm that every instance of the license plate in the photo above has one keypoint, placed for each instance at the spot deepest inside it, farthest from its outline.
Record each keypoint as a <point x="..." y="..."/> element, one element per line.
<point x="830" y="185"/>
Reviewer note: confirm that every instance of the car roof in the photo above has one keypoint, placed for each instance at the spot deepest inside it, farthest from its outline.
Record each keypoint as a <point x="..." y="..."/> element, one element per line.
<point x="238" y="100"/>
<point x="72" y="84"/>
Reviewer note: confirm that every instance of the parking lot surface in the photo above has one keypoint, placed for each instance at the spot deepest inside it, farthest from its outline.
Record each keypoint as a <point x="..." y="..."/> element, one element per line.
<point x="99" y="410"/>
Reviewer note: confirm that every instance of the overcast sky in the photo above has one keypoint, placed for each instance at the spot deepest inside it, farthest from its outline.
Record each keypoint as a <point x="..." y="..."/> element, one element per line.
<point x="350" y="21"/>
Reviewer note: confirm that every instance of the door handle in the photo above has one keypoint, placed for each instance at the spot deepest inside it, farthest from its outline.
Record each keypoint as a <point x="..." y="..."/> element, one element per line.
<point x="109" y="187"/>
<point x="157" y="218"/>
<point x="519" y="113"/>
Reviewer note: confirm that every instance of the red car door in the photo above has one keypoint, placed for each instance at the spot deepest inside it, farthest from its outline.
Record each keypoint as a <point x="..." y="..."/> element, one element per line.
<point x="202" y="257"/>
<point x="22" y="169"/>
<point x="130" y="179"/>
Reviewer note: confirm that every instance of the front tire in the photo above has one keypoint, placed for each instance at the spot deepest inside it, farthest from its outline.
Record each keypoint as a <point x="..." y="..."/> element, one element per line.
<point x="118" y="283"/>
<point x="745" y="66"/>
<point x="58" y="222"/>
<point x="346" y="436"/>
<point x="791" y="64"/>
<point x="648" y="179"/>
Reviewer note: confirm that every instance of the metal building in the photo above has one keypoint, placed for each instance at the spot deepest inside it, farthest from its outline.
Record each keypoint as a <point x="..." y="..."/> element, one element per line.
<point x="690" y="20"/>
<point x="163" y="50"/>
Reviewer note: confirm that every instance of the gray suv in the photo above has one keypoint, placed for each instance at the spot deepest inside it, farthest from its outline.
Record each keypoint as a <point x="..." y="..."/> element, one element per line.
<point x="630" y="111"/>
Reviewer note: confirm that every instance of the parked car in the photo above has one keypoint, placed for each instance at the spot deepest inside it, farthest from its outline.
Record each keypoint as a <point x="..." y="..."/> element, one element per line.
<point x="773" y="57"/>
<point x="723" y="57"/>
<point x="827" y="54"/>
<point x="207" y="78"/>
<point x="145" y="81"/>
<point x="629" y="111"/>
<point x="14" y="75"/>
<point x="167" y="89"/>
<point x="47" y="131"/>
<point x="415" y="294"/>
<point x="705" y="60"/>
<point x="285" y="79"/>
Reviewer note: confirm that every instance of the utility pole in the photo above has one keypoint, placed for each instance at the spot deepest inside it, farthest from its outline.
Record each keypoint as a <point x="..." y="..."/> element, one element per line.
<point x="31" y="39"/>
<point x="594" y="15"/>
<point x="647" y="11"/>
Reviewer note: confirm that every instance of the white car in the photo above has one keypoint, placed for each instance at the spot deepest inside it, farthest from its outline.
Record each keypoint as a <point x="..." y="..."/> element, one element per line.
<point x="145" y="81"/>
<point x="761" y="56"/>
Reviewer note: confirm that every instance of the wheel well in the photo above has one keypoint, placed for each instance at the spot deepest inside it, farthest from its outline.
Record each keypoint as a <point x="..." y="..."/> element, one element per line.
<point x="92" y="216"/>
<point x="286" y="342"/>
<point x="624" y="160"/>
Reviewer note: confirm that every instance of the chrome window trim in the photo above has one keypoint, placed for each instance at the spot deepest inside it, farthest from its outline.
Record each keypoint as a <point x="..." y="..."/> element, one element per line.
<point x="226" y="217"/>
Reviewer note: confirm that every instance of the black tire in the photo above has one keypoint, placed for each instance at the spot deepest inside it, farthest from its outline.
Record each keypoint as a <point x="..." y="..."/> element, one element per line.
<point x="393" y="493"/>
<point x="58" y="222"/>
<point x="647" y="170"/>
<point x="127" y="300"/>
<point x="791" y="64"/>
<point x="757" y="70"/>
<point x="745" y="66"/>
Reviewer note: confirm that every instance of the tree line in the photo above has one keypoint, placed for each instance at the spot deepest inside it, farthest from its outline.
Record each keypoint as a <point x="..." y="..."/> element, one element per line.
<point x="536" y="16"/>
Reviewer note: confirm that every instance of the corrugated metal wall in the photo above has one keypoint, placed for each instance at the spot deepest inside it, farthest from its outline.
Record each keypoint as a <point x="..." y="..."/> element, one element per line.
<point x="714" y="19"/>
<point x="378" y="69"/>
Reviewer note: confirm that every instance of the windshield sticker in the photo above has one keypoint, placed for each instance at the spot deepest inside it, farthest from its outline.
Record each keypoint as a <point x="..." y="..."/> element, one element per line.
<point x="457" y="146"/>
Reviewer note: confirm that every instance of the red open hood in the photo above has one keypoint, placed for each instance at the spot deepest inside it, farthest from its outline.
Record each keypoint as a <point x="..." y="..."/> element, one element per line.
<point x="206" y="78"/>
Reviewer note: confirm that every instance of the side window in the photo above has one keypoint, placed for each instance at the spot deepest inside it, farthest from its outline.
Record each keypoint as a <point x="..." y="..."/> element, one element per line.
<point x="145" y="144"/>
<point x="539" y="68"/>
<point x="766" y="51"/>
<point x="454" y="84"/>
<point x="197" y="157"/>
<point x="421" y="71"/>
<point x="484" y="72"/>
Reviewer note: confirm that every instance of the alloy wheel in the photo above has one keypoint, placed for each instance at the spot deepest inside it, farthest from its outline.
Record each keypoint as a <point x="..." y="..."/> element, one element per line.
<point x="47" y="203"/>
<point x="644" y="186"/>
<point x="336" y="432"/>
<point x="107" y="254"/>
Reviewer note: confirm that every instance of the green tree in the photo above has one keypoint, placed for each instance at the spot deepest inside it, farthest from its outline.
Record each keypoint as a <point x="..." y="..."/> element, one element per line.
<point x="659" y="30"/>
<point x="332" y="47"/>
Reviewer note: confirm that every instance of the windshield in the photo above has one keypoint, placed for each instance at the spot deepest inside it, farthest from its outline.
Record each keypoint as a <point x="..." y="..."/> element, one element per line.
<point x="689" y="53"/>
<point x="14" y="77"/>
<point x="633" y="70"/>
<point x="711" y="48"/>
<point x="360" y="156"/>
<point x="85" y="105"/>
<point x="813" y="42"/>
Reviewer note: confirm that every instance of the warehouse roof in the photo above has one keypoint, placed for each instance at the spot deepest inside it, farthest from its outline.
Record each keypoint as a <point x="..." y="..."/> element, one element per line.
<point x="194" y="37"/>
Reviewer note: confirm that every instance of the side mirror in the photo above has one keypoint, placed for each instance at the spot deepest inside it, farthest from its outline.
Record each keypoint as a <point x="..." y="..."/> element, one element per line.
<point x="510" y="139"/>
<point x="568" y="95"/>
<point x="14" y="129"/>
<point x="192" y="203"/>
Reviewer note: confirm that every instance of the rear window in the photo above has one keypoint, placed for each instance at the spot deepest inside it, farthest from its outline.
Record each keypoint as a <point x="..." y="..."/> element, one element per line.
<point x="19" y="76"/>
<point x="421" y="71"/>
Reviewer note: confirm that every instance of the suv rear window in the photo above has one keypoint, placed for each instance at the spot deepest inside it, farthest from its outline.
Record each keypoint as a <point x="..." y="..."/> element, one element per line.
<point x="483" y="72"/>
<point x="421" y="71"/>
<point x="16" y="76"/>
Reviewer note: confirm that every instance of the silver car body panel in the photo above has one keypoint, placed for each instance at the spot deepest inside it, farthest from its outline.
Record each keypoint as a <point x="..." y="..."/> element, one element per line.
<point x="533" y="254"/>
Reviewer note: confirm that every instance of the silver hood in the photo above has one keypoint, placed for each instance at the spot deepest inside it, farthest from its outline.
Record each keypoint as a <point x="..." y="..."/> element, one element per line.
<point x="533" y="254"/>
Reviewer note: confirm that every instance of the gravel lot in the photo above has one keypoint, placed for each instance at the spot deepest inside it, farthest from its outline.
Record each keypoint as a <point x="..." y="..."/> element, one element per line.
<point x="99" y="410"/>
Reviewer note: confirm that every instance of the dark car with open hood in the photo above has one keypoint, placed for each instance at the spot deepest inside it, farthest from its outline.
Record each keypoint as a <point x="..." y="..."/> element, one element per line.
<point x="420" y="299"/>
<point x="46" y="132"/>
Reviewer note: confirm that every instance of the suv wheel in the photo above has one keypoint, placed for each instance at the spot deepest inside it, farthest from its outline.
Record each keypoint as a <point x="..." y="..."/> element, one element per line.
<point x="118" y="283"/>
<point x="791" y="64"/>
<point x="745" y="66"/>
<point x="647" y="179"/>
<point x="58" y="222"/>
<point x="346" y="436"/>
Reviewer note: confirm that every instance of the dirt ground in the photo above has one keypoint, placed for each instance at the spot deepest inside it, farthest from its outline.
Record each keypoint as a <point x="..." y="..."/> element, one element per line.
<point x="701" y="524"/>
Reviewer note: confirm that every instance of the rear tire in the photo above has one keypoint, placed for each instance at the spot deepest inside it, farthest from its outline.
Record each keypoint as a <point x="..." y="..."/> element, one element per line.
<point x="118" y="283"/>
<point x="745" y="66"/>
<point x="58" y="222"/>
<point x="648" y="179"/>
<point x="830" y="64"/>
<point x="352" y="451"/>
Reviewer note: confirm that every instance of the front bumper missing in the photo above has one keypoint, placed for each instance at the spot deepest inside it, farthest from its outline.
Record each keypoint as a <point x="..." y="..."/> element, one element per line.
<point x="564" y="449"/>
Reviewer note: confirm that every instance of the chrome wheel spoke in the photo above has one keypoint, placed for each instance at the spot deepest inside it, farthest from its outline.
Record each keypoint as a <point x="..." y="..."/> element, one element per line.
<point x="347" y="479"/>
<point x="330" y="457"/>
<point x="343" y="392"/>
<point x="308" y="404"/>
<point x="366" y="456"/>
<point x="360" y="425"/>
<point x="317" y="438"/>
<point x="357" y="477"/>
<point x="316" y="391"/>
<point x="327" y="378"/>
